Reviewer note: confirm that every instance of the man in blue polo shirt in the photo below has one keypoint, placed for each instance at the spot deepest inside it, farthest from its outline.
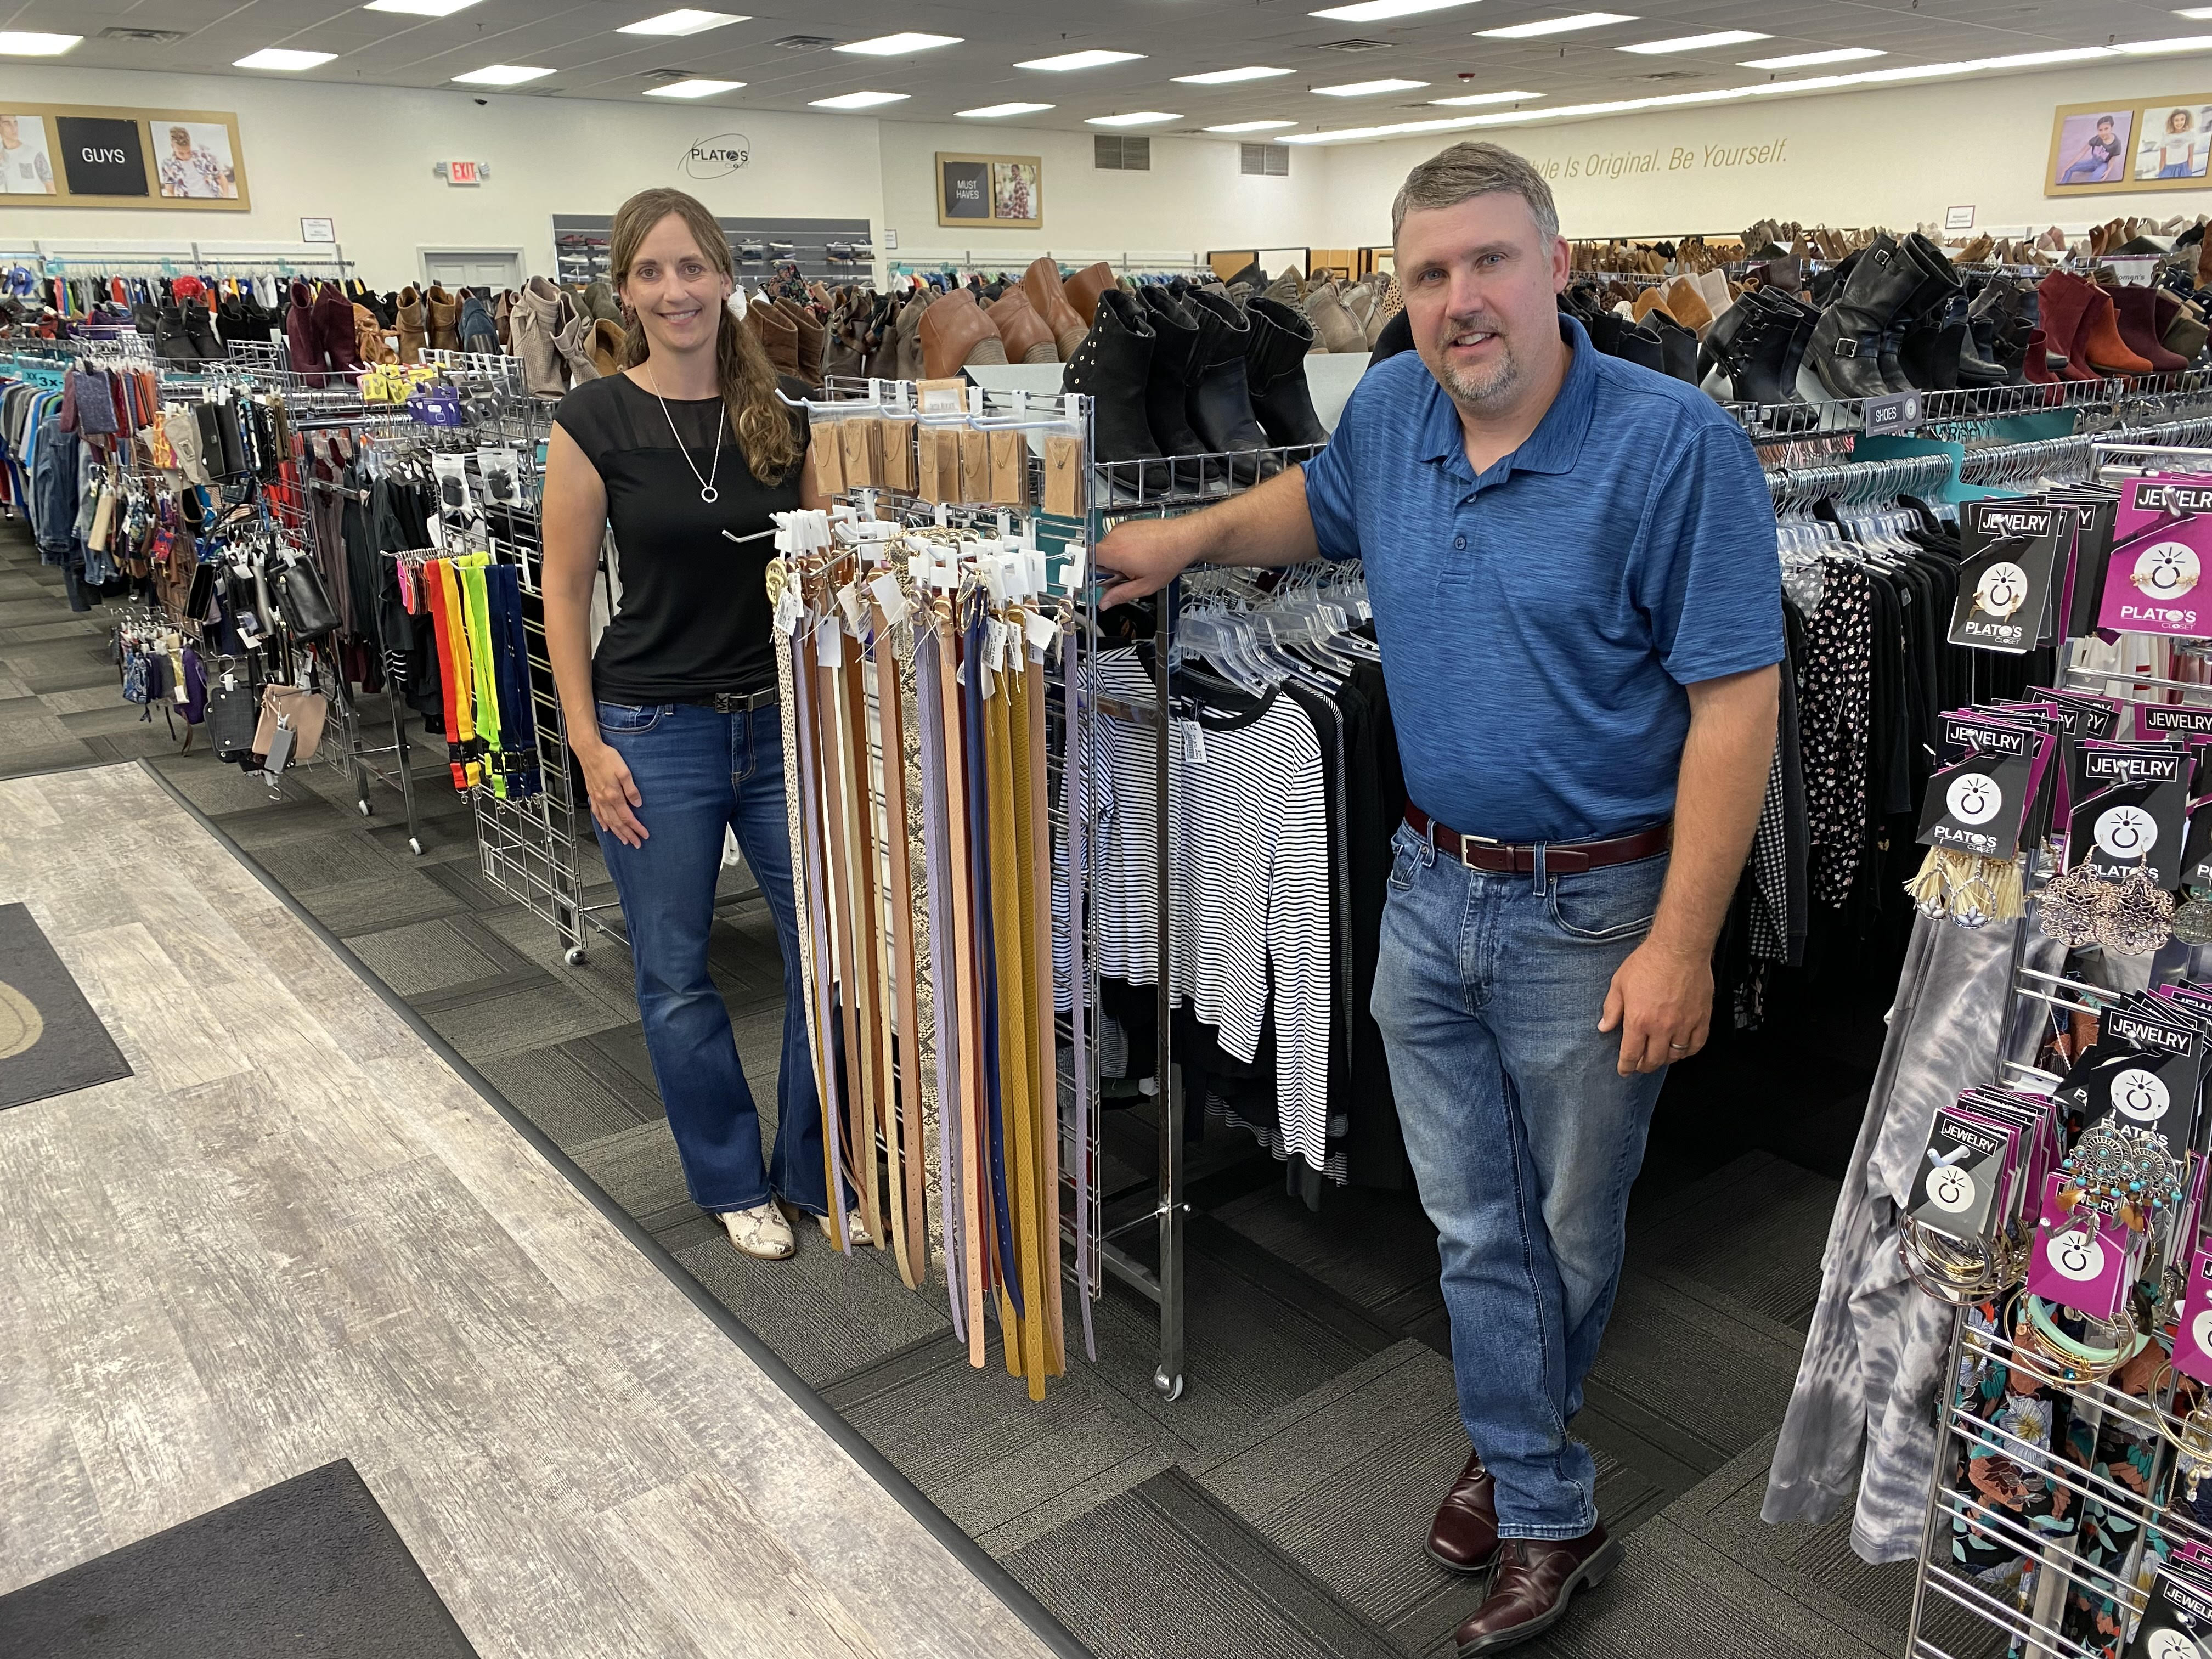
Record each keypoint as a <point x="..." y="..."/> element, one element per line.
<point x="1573" y="565"/>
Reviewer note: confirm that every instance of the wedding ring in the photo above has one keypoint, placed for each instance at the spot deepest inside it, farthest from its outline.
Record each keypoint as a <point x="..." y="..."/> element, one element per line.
<point x="1682" y="1047"/>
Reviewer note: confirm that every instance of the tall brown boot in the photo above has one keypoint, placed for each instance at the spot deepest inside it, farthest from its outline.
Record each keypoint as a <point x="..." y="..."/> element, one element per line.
<point x="811" y="338"/>
<point x="778" y="335"/>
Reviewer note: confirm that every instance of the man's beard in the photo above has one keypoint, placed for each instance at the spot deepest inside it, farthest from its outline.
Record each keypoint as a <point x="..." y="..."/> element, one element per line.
<point x="1489" y="386"/>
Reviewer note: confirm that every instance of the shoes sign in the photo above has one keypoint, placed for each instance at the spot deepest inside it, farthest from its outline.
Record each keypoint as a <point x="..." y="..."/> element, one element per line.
<point x="1898" y="413"/>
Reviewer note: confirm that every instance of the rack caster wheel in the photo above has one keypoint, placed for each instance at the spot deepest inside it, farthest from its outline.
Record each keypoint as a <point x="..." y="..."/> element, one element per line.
<point x="364" y="807"/>
<point x="575" y="956"/>
<point x="415" y="846"/>
<point x="1171" y="1388"/>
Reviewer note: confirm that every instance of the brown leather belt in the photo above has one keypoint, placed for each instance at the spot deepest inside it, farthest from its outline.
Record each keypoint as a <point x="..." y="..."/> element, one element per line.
<point x="1561" y="858"/>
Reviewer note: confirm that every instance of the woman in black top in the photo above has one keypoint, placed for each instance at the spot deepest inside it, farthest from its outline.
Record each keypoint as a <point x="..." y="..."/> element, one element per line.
<point x="686" y="452"/>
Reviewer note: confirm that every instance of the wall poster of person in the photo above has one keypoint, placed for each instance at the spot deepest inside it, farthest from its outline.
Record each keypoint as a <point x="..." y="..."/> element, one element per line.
<point x="2174" y="142"/>
<point x="1014" y="192"/>
<point x="195" y="161"/>
<point x="2091" y="147"/>
<point x="27" y="168"/>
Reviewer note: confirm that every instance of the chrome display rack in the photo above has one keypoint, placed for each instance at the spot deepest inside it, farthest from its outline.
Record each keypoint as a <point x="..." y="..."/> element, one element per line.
<point x="2114" y="399"/>
<point x="2029" y="1612"/>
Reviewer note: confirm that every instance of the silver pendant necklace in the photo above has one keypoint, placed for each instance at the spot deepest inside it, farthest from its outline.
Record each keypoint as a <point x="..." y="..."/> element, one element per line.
<point x="708" y="493"/>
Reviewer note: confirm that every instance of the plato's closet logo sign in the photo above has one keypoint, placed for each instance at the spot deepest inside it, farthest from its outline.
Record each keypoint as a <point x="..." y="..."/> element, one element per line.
<point x="718" y="157"/>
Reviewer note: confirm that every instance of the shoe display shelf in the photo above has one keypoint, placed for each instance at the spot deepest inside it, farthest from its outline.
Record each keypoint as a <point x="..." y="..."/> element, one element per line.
<point x="824" y="249"/>
<point x="1770" y="422"/>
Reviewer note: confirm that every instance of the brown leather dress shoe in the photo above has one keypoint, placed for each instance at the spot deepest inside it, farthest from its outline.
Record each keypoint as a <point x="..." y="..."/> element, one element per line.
<point x="1465" y="1536"/>
<point x="1529" y="1592"/>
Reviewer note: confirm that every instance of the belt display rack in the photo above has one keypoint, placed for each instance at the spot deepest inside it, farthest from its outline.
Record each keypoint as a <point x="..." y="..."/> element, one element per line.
<point x="2028" y="1619"/>
<point x="527" y="845"/>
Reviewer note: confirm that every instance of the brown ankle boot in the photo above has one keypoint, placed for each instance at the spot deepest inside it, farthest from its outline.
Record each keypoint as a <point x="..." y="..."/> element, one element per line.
<point x="1028" y="340"/>
<point x="955" y="331"/>
<point x="444" y="320"/>
<point x="811" y="338"/>
<point x="778" y="335"/>
<point x="413" y="336"/>
<point x="1041" y="282"/>
<point x="1083" y="288"/>
<point x="608" y="342"/>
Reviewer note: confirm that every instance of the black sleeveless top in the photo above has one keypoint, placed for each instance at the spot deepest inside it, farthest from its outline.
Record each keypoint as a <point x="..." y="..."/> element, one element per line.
<point x="693" y="622"/>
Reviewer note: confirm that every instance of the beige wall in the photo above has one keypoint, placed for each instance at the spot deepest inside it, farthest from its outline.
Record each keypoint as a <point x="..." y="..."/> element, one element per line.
<point x="1893" y="157"/>
<point x="361" y="156"/>
<point x="1194" y="198"/>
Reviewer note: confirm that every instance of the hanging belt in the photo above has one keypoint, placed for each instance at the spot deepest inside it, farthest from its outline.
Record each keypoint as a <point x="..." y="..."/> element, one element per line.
<point x="975" y="1135"/>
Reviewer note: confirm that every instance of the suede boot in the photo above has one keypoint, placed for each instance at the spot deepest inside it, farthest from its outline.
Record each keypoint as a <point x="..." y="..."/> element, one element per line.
<point x="333" y="321"/>
<point x="811" y="336"/>
<point x="1685" y="304"/>
<point x="608" y="341"/>
<point x="1678" y="347"/>
<point x="1041" y="282"/>
<point x="1847" y="341"/>
<point x="1113" y="366"/>
<point x="907" y="359"/>
<point x="2135" y="312"/>
<point x="957" y="331"/>
<point x="1333" y="325"/>
<point x="1275" y="374"/>
<point x="1083" y="288"/>
<point x="600" y="301"/>
<point x="777" y="333"/>
<point x="1027" y="339"/>
<point x="537" y="326"/>
<point x="368" y="337"/>
<point x="1221" y="402"/>
<point x="414" y="332"/>
<point x="2079" y="320"/>
<point x="841" y="346"/>
<point x="301" y="337"/>
<point x="2035" y="361"/>
<point x="1640" y="345"/>
<point x="2185" y="335"/>
<point x="573" y="339"/>
<point x="445" y="320"/>
<point x="502" y="319"/>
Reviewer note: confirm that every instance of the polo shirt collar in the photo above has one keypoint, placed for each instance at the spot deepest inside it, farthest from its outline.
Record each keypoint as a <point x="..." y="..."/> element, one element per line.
<point x="1557" y="443"/>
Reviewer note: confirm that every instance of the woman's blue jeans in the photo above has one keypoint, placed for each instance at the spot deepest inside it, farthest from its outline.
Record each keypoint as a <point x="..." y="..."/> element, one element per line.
<point x="1524" y="1140"/>
<point x="697" y="771"/>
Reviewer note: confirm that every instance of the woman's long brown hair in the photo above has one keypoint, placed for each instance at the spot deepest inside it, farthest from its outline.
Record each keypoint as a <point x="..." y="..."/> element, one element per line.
<point x="746" y="378"/>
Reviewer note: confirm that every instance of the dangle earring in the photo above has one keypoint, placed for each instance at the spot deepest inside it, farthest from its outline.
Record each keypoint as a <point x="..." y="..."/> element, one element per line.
<point x="1968" y="889"/>
<point x="2193" y="919"/>
<point x="2140" y="916"/>
<point x="2071" y="906"/>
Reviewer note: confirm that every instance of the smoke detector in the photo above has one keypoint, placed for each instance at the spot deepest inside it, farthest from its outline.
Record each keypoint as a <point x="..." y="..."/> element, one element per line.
<point x="1353" y="46"/>
<point x="144" y="37"/>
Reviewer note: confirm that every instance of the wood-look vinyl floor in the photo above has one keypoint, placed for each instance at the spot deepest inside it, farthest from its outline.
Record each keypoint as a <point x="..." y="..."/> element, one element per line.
<point x="296" y="1235"/>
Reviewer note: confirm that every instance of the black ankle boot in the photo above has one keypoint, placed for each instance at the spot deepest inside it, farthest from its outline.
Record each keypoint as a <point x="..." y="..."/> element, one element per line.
<point x="1846" y="343"/>
<point x="1275" y="374"/>
<point x="199" y="330"/>
<point x="1640" y="345"/>
<point x="1114" y="366"/>
<point x="1167" y="391"/>
<point x="1220" y="404"/>
<point x="146" y="318"/>
<point x="1678" y="347"/>
<point x="170" y="339"/>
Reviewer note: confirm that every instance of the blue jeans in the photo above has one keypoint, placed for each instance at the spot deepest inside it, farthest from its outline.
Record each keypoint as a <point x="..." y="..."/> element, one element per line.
<point x="1524" y="1140"/>
<point x="697" y="771"/>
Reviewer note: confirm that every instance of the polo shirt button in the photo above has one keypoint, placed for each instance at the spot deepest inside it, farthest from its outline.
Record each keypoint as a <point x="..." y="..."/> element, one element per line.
<point x="1459" y="541"/>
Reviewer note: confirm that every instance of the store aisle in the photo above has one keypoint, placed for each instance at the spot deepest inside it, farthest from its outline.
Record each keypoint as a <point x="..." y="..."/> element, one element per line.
<point x="295" y="1234"/>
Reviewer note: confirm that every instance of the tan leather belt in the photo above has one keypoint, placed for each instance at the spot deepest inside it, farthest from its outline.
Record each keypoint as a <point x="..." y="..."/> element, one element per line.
<point x="1561" y="858"/>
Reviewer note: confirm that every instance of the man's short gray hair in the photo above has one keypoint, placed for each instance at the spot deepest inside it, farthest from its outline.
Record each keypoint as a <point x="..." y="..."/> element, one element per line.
<point x="1470" y="169"/>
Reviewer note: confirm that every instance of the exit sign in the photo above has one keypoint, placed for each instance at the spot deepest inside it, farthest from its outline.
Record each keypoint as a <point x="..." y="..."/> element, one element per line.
<point x="463" y="172"/>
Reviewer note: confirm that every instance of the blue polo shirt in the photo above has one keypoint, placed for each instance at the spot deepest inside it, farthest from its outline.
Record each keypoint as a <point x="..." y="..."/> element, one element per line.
<point x="1538" y="623"/>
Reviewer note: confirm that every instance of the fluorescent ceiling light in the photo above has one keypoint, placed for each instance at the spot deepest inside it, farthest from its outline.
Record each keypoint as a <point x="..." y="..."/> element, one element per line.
<point x="420" y="8"/>
<point x="1588" y="20"/>
<point x="1375" y="11"/>
<point x="993" y="112"/>
<point x="501" y="75"/>
<point x="681" y="22"/>
<point x="1251" y="126"/>
<point x="2033" y="59"/>
<point x="1807" y="83"/>
<point x="279" y="58"/>
<point x="1223" y="78"/>
<point x="16" y="43"/>
<point x="692" y="89"/>
<point x="1080" y="60"/>
<point x="2150" y="48"/>
<point x="1807" y="59"/>
<point x="856" y="100"/>
<point x="2195" y="14"/>
<point x="1698" y="42"/>
<point x="1142" y="118"/>
<point x="1466" y="98"/>
<point x="896" y="46"/>
<point x="1368" y="88"/>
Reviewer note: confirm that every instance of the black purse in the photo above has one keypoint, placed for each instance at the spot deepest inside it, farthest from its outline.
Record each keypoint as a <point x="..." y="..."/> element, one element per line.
<point x="306" y="606"/>
<point x="234" y="712"/>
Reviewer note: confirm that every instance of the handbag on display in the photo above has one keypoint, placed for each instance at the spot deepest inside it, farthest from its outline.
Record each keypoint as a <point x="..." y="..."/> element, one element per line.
<point x="232" y="714"/>
<point x="290" y="708"/>
<point x="307" y="607"/>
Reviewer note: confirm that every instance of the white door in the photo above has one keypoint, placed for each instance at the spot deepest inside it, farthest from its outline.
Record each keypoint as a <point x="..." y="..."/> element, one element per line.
<point x="458" y="268"/>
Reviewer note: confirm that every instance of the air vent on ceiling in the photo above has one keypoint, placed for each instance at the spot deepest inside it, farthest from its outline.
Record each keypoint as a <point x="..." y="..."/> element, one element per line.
<point x="1265" y="160"/>
<point x="666" y="75"/>
<point x="1114" y="154"/>
<point x="144" y="37"/>
<point x="1675" y="75"/>
<point x="804" y="42"/>
<point x="1353" y="46"/>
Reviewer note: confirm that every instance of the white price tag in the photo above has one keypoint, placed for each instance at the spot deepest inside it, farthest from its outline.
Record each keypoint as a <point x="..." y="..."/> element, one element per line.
<point x="886" y="590"/>
<point x="1041" y="630"/>
<point x="830" y="644"/>
<point x="789" y="611"/>
<point x="848" y="601"/>
<point x="995" y="645"/>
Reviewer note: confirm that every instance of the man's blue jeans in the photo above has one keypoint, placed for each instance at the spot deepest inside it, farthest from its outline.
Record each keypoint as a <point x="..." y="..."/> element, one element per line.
<point x="1524" y="1140"/>
<point x="697" y="771"/>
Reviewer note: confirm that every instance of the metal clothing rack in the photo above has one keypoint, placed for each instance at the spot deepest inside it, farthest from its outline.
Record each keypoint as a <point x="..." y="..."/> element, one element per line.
<point x="1159" y="489"/>
<point x="2110" y="399"/>
<point x="2023" y="1620"/>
